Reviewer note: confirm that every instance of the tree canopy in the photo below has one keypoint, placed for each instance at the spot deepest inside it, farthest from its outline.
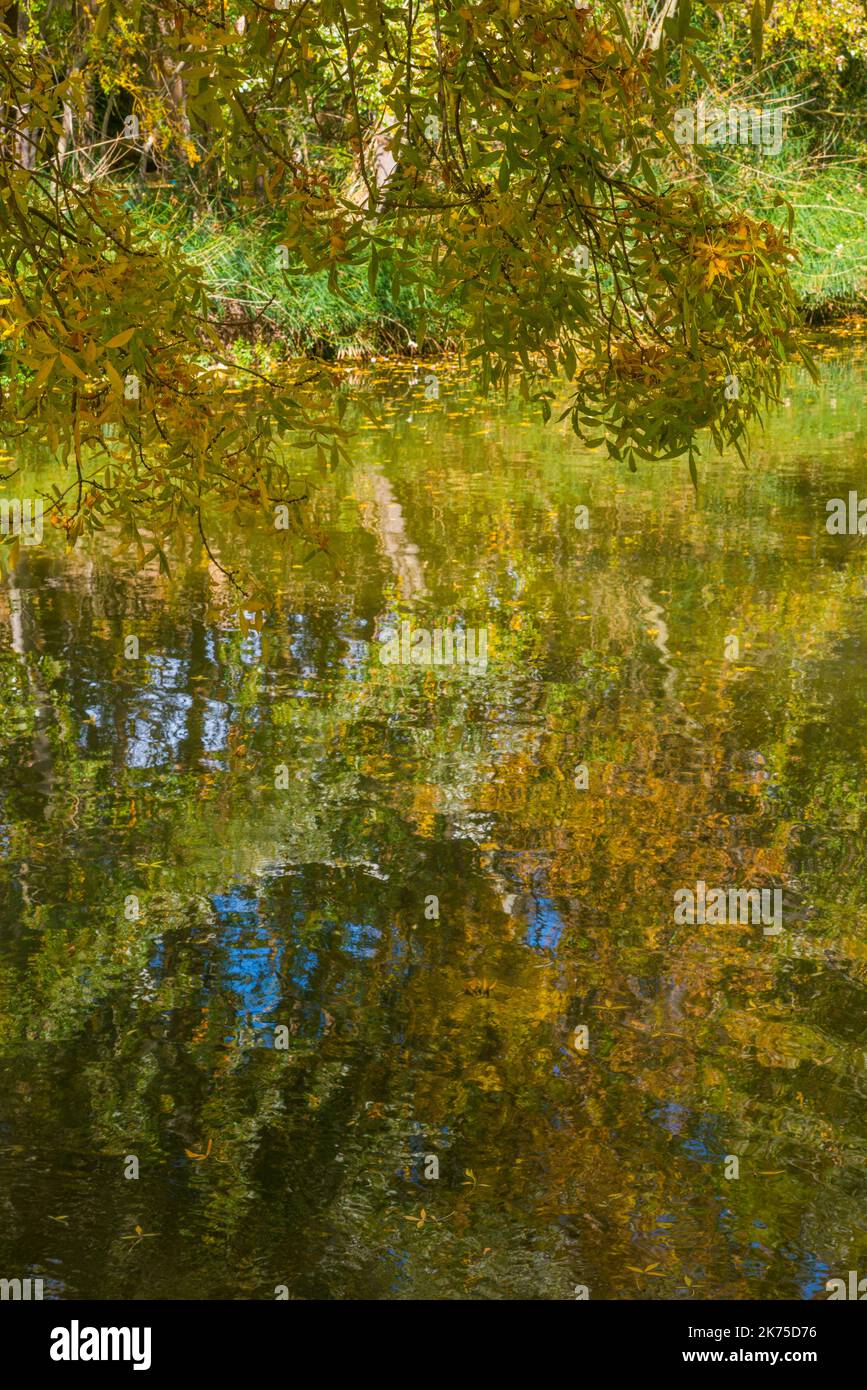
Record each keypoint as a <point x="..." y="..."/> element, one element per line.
<point x="512" y="158"/>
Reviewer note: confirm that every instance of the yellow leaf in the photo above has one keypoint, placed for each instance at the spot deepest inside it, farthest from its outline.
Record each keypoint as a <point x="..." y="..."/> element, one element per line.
<point x="200" y="1158"/>
<point x="115" y="378"/>
<point x="72" y="367"/>
<point x="43" y="373"/>
<point x="120" y="339"/>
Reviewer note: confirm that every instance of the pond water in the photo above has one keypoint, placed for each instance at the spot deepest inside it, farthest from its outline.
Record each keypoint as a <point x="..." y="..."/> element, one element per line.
<point x="309" y="939"/>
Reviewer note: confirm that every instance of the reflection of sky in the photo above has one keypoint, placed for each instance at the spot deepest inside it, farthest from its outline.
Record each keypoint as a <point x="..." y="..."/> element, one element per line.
<point x="93" y="715"/>
<point x="300" y="644"/>
<point x="250" y="650"/>
<point x="215" y="726"/>
<point x="359" y="941"/>
<point x="814" y="1279"/>
<point x="157" y="740"/>
<point x="696" y="1132"/>
<point x="251" y="958"/>
<point x="248" y="962"/>
<point x="702" y="1144"/>
<point x="356" y="658"/>
<point x="157" y="730"/>
<point x="546" y="927"/>
<point x="303" y="968"/>
<point x="311" y="661"/>
<point x="399" y="947"/>
<point x="166" y="672"/>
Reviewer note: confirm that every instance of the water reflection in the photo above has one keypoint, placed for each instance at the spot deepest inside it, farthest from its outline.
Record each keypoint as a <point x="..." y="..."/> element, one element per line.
<point x="375" y="904"/>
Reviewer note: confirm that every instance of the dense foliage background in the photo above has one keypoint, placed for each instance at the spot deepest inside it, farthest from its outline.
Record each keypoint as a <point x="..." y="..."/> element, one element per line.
<point x="500" y="177"/>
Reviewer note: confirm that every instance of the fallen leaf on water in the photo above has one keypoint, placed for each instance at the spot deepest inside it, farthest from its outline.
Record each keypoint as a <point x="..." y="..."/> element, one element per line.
<point x="140" y="1235"/>
<point x="200" y="1157"/>
<point x="419" y="1221"/>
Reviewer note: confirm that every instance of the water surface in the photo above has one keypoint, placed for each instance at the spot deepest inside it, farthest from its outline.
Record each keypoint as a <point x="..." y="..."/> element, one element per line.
<point x="302" y="912"/>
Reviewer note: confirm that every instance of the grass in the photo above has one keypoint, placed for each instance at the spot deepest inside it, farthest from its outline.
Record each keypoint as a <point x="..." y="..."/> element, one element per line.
<point x="298" y="313"/>
<point x="829" y="198"/>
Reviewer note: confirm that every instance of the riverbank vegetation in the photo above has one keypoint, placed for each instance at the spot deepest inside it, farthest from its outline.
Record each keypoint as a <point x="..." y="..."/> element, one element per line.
<point x="192" y="196"/>
<point x="815" y="73"/>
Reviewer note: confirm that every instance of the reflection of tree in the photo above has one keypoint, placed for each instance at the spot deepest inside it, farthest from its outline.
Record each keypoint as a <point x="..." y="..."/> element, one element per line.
<point x="390" y="526"/>
<point x="304" y="906"/>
